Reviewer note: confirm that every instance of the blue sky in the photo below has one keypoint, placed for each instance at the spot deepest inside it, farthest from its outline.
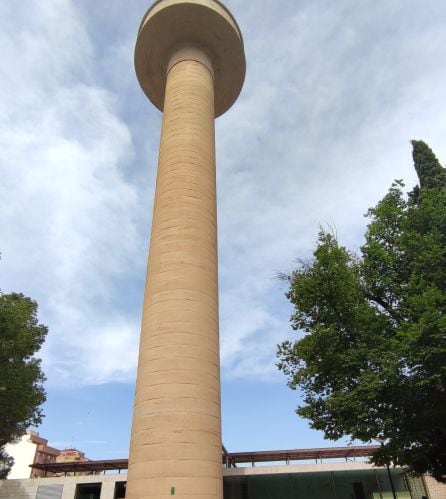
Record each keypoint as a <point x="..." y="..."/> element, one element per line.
<point x="334" y="93"/>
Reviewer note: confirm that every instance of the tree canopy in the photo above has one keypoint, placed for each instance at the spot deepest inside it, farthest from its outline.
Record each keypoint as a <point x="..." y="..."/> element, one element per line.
<point x="371" y="361"/>
<point x="21" y="377"/>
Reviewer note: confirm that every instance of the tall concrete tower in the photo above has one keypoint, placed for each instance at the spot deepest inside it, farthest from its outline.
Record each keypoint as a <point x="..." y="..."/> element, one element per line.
<point x="190" y="62"/>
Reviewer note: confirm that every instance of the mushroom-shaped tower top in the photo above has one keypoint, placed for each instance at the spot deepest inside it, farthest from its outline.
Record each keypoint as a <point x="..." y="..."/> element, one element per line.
<point x="170" y="25"/>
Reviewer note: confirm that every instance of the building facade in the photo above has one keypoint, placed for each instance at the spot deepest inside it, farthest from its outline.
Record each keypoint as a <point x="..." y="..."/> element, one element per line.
<point x="317" y="481"/>
<point x="245" y="476"/>
<point x="30" y="449"/>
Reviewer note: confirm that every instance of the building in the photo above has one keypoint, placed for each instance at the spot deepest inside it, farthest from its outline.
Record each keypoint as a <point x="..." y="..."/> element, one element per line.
<point x="331" y="473"/>
<point x="190" y="62"/>
<point x="70" y="455"/>
<point x="31" y="449"/>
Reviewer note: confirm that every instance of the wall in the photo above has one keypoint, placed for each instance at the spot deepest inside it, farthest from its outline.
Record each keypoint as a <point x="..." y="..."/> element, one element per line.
<point x="436" y="490"/>
<point x="27" y="489"/>
<point x="23" y="452"/>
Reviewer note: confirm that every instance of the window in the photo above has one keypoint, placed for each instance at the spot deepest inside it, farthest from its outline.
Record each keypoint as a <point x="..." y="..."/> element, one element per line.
<point x="88" y="491"/>
<point x="120" y="490"/>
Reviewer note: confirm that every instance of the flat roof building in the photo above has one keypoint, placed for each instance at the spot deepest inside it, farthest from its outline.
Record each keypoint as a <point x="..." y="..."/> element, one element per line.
<point x="330" y="473"/>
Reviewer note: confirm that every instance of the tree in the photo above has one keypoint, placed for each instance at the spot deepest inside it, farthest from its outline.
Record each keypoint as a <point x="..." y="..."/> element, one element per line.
<point x="21" y="378"/>
<point x="371" y="361"/>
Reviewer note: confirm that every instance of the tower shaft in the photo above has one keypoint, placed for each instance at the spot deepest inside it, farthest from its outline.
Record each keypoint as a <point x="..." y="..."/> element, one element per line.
<point x="176" y="435"/>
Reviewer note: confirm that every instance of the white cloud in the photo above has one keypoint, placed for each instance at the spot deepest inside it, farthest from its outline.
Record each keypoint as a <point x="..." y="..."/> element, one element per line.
<point x="334" y="92"/>
<point x="67" y="220"/>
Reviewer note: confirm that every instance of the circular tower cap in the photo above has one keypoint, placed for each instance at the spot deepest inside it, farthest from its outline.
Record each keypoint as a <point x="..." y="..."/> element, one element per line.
<point x="207" y="24"/>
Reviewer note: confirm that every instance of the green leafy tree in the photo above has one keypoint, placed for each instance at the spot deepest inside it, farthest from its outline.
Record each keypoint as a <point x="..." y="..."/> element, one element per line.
<point x="21" y="378"/>
<point x="372" y="360"/>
